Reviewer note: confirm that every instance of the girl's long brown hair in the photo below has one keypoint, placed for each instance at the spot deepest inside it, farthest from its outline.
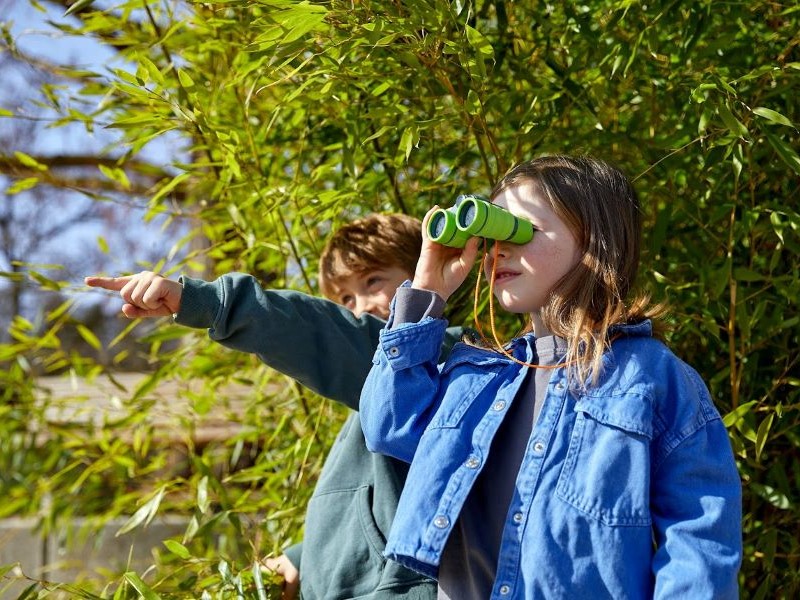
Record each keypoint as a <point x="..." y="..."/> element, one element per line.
<point x="601" y="208"/>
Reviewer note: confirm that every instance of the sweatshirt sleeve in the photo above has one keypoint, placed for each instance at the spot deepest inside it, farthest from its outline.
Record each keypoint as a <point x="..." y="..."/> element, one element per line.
<point x="315" y="341"/>
<point x="293" y="553"/>
<point x="412" y="305"/>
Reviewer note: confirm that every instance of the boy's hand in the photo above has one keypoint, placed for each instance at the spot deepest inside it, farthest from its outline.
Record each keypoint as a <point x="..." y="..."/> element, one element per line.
<point x="146" y="294"/>
<point x="440" y="268"/>
<point x="291" y="576"/>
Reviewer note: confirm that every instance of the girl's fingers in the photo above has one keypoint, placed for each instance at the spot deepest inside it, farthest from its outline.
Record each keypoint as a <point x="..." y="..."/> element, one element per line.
<point x="471" y="249"/>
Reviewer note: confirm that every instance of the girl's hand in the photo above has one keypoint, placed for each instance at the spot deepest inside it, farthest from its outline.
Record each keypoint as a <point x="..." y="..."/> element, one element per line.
<point x="442" y="269"/>
<point x="146" y="294"/>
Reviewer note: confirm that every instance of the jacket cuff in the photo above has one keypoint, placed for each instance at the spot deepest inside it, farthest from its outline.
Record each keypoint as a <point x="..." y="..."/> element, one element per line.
<point x="201" y="303"/>
<point x="411" y="344"/>
<point x="293" y="553"/>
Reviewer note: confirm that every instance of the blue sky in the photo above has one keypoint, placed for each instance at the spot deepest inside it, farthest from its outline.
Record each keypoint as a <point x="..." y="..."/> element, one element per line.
<point x="35" y="37"/>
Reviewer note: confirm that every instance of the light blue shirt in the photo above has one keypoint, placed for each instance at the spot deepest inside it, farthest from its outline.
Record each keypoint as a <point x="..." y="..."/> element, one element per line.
<point x="626" y="490"/>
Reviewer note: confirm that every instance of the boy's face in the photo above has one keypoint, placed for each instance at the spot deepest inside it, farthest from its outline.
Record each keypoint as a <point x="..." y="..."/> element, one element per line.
<point x="371" y="291"/>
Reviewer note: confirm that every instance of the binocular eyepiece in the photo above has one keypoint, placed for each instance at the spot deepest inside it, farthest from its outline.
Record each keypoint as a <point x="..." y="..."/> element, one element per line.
<point x="475" y="216"/>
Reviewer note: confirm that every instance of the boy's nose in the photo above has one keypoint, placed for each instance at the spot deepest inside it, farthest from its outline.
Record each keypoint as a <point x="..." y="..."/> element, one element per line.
<point x="366" y="305"/>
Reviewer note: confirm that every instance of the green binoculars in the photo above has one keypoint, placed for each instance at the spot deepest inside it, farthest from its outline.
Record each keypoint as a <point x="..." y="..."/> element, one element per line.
<point x="475" y="216"/>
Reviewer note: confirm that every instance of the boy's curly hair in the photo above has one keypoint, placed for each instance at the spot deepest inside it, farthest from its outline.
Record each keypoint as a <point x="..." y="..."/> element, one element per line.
<point x="375" y="242"/>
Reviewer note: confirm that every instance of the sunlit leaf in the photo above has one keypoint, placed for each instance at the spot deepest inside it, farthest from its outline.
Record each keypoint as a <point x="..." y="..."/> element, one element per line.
<point x="479" y="42"/>
<point x="178" y="549"/>
<point x="145" y="591"/>
<point x="29" y="161"/>
<point x="145" y="513"/>
<point x="89" y="336"/>
<point x="22" y="185"/>
<point x="772" y="115"/>
<point x="78" y="5"/>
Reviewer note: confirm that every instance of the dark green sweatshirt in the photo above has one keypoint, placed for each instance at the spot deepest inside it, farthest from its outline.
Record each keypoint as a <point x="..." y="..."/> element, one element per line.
<point x="324" y="347"/>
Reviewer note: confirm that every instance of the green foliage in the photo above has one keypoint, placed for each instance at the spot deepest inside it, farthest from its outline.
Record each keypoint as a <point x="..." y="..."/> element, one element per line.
<point x="290" y="118"/>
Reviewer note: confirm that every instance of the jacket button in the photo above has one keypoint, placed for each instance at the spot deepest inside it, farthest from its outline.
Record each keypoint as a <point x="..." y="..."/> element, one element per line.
<point x="559" y="386"/>
<point x="504" y="590"/>
<point x="538" y="447"/>
<point x="394" y="351"/>
<point x="517" y="517"/>
<point x="499" y="405"/>
<point x="473" y="462"/>
<point x="441" y="522"/>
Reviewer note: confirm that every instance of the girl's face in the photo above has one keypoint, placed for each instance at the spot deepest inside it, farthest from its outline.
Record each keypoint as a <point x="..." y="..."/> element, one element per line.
<point x="525" y="274"/>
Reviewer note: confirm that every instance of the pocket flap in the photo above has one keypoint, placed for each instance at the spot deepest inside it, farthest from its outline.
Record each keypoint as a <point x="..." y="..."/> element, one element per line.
<point x="466" y="354"/>
<point x="629" y="412"/>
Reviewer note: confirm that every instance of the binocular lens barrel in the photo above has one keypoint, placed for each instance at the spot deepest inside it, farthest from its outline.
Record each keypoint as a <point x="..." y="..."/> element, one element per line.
<point x="475" y="216"/>
<point x="479" y="217"/>
<point x="443" y="230"/>
<point x="467" y="216"/>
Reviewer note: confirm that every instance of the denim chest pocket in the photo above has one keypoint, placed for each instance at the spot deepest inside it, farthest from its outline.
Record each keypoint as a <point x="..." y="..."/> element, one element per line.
<point x="606" y="472"/>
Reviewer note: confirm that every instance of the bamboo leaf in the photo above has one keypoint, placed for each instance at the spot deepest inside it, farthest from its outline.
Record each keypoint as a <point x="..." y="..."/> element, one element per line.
<point x="731" y="122"/>
<point x="22" y="185"/>
<point x="178" y="549"/>
<point x="171" y="185"/>
<point x="78" y="5"/>
<point x="773" y="116"/>
<point x="144" y="515"/>
<point x="29" y="161"/>
<point x="89" y="336"/>
<point x="145" y="591"/>
<point x="185" y="79"/>
<point x="787" y="154"/>
<point x="479" y="42"/>
<point x="202" y="495"/>
<point x="762" y="435"/>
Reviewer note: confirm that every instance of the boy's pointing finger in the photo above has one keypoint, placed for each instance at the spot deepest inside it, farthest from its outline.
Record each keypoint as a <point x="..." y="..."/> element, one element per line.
<point x="107" y="283"/>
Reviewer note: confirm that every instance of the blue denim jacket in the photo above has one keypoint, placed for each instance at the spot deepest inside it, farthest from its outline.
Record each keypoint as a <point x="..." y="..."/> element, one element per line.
<point x="627" y="490"/>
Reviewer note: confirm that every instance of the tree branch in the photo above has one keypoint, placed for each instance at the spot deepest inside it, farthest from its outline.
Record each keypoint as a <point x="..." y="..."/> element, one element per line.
<point x="142" y="176"/>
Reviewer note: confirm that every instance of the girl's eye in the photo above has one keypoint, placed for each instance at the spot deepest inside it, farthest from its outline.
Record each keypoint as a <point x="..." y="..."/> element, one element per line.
<point x="373" y="281"/>
<point x="346" y="300"/>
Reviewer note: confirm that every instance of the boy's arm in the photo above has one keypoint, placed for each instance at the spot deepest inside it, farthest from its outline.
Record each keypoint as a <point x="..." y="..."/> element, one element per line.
<point x="313" y="340"/>
<point x="317" y="342"/>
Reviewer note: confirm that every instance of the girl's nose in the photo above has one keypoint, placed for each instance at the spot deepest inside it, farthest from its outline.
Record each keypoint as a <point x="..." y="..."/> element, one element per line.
<point x="499" y="248"/>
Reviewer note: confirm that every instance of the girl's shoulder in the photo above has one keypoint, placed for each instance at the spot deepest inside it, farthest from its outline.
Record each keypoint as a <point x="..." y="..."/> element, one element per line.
<point x="645" y="367"/>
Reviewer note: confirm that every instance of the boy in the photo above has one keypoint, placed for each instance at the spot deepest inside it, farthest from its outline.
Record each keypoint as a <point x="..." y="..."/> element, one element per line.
<point x="351" y="509"/>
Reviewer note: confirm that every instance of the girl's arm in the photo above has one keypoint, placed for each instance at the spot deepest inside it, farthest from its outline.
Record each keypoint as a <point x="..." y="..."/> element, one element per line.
<point x="400" y="394"/>
<point x="696" y="503"/>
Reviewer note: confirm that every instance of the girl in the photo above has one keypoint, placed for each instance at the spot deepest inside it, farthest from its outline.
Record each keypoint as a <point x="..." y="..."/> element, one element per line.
<point x="582" y="460"/>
